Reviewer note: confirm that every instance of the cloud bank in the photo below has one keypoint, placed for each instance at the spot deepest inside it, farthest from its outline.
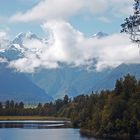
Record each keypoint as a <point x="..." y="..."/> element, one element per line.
<point x="53" y="9"/>
<point x="3" y="35"/>
<point x="66" y="45"/>
<point x="3" y="39"/>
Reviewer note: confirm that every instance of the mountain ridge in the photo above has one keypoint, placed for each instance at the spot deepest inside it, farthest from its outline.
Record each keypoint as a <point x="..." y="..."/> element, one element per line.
<point x="16" y="86"/>
<point x="69" y="80"/>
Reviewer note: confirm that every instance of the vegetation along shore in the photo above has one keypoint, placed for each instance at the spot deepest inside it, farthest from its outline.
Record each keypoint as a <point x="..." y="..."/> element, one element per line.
<point x="109" y="113"/>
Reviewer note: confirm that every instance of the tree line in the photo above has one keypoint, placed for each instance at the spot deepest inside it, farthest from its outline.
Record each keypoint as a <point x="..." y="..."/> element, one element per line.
<point x="11" y="108"/>
<point x="109" y="112"/>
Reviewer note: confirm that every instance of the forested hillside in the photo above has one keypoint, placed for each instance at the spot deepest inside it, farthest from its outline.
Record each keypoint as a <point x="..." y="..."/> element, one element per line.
<point x="108" y="113"/>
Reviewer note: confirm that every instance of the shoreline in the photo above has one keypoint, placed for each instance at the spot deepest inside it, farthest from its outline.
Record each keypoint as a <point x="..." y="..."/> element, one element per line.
<point x="88" y="133"/>
<point x="24" y="118"/>
<point x="83" y="132"/>
<point x="18" y="121"/>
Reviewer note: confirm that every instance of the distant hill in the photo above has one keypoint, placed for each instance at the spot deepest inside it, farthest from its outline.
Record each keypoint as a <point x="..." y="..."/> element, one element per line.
<point x="18" y="87"/>
<point x="108" y="81"/>
<point x="75" y="81"/>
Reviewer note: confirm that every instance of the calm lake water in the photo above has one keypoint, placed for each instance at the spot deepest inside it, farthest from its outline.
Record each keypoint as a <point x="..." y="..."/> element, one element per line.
<point x="38" y="130"/>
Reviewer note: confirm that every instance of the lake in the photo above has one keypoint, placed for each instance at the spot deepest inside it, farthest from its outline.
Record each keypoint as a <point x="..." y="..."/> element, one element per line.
<point x="38" y="130"/>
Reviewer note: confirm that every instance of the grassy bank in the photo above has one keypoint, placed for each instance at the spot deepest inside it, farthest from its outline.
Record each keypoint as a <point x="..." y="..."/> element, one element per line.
<point x="5" y="118"/>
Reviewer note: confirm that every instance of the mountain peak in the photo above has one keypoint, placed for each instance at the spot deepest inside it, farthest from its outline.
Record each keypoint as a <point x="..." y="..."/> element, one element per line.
<point x="100" y="35"/>
<point x="27" y="34"/>
<point x="19" y="39"/>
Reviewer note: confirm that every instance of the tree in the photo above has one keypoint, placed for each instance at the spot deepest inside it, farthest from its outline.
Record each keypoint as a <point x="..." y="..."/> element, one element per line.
<point x="16" y="106"/>
<point x="133" y="129"/>
<point x="59" y="104"/>
<point x="118" y="87"/>
<point x="132" y="24"/>
<point x="7" y="104"/>
<point x="39" y="109"/>
<point x="66" y="100"/>
<point x="39" y="106"/>
<point x="21" y="105"/>
<point x="129" y="85"/>
<point x="12" y="104"/>
<point x="1" y="106"/>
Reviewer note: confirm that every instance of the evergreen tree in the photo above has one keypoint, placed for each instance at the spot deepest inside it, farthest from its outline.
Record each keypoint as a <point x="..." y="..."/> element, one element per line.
<point x="21" y="105"/>
<point x="39" y="106"/>
<point x="12" y="104"/>
<point x="1" y="106"/>
<point x="16" y="106"/>
<point x="7" y="104"/>
<point x="118" y="87"/>
<point x="66" y="100"/>
<point x="132" y="24"/>
<point x="129" y="85"/>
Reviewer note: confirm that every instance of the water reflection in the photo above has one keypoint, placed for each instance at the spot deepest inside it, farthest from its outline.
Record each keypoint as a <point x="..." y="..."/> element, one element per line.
<point x="43" y="134"/>
<point x="36" y="130"/>
<point x="33" y="124"/>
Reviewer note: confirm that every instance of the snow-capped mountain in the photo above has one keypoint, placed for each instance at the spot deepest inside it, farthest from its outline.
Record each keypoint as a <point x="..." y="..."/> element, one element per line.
<point x="16" y="85"/>
<point x="66" y="80"/>
<point x="12" y="52"/>
<point x="15" y="49"/>
<point x="100" y="35"/>
<point x="21" y="37"/>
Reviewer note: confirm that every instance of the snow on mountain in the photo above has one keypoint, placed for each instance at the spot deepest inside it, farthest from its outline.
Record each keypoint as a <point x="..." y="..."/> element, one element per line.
<point x="21" y="37"/>
<point x="15" y="49"/>
<point x="15" y="85"/>
<point x="12" y="52"/>
<point x="100" y="35"/>
<point x="66" y="80"/>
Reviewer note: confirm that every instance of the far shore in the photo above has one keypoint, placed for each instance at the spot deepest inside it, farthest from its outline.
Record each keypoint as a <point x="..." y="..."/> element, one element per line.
<point x="13" y="118"/>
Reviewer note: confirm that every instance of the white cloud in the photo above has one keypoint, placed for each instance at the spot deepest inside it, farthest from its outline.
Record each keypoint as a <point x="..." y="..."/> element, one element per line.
<point x="3" y="39"/>
<point x="60" y="9"/>
<point x="3" y="35"/>
<point x="68" y="45"/>
<point x="104" y="19"/>
<point x="126" y="10"/>
<point x="50" y="9"/>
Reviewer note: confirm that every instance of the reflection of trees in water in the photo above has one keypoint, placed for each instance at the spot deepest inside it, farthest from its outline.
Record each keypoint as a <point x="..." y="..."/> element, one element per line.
<point x="30" y="125"/>
<point x="19" y="125"/>
<point x="11" y="125"/>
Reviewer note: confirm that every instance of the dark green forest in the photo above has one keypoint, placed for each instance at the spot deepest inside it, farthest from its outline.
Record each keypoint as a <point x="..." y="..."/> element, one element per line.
<point x="105" y="113"/>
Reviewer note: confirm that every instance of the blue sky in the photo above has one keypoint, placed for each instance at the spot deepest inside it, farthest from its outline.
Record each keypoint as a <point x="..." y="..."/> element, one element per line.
<point x="98" y="15"/>
<point x="8" y="8"/>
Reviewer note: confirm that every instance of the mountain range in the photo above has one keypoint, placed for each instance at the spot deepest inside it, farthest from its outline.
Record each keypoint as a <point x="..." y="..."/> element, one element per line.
<point x="47" y="84"/>
<point x="17" y="86"/>
<point x="75" y="81"/>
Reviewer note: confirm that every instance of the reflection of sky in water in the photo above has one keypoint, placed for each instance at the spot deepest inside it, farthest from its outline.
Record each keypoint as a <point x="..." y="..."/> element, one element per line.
<point x="33" y="121"/>
<point x="33" y="124"/>
<point x="41" y="134"/>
